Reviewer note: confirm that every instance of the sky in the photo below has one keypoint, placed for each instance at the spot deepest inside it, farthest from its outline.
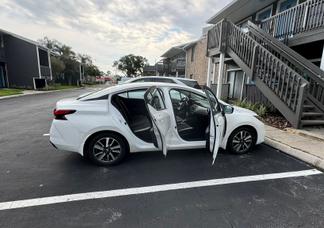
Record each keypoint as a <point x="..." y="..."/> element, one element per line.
<point x="109" y="29"/>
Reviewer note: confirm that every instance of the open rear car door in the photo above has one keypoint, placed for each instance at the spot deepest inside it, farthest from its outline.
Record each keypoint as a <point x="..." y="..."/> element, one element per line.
<point x="160" y="117"/>
<point x="216" y="123"/>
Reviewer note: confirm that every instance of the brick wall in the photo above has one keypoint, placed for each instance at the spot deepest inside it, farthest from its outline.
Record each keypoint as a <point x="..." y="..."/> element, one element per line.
<point x="197" y="68"/>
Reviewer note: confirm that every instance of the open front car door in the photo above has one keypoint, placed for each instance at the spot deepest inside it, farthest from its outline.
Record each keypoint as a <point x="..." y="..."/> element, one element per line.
<point x="216" y="123"/>
<point x="160" y="118"/>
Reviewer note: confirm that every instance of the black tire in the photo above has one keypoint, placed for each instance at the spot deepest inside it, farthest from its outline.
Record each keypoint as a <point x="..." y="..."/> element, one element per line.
<point x="242" y="140"/>
<point x="102" y="153"/>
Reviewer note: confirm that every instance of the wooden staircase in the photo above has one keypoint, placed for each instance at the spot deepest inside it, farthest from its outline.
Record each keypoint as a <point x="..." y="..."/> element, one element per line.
<point x="313" y="107"/>
<point x="290" y="82"/>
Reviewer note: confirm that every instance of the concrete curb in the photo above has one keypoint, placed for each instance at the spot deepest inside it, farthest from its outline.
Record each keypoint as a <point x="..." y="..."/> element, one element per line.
<point x="37" y="93"/>
<point x="300" y="154"/>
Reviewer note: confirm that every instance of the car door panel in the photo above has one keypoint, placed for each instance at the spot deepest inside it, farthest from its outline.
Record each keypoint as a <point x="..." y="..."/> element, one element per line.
<point x="159" y="115"/>
<point x="216" y="123"/>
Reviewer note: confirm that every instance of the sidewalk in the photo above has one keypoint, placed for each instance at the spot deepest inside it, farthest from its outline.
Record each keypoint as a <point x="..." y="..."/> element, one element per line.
<point x="297" y="144"/>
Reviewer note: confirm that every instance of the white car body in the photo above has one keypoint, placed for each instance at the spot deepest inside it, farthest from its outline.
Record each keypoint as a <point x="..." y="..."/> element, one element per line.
<point x="96" y="113"/>
<point x="159" y="79"/>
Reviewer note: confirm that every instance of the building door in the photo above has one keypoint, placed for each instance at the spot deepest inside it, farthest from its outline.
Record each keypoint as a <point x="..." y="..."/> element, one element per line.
<point x="2" y="75"/>
<point x="235" y="80"/>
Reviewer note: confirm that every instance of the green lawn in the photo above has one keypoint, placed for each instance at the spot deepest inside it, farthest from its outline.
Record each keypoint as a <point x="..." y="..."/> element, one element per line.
<point x="8" y="92"/>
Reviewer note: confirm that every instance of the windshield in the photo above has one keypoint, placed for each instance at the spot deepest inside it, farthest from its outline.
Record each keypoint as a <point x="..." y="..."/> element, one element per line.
<point x="190" y="83"/>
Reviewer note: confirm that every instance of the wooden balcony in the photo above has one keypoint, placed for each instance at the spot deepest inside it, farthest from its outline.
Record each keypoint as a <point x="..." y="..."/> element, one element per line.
<point x="303" y="18"/>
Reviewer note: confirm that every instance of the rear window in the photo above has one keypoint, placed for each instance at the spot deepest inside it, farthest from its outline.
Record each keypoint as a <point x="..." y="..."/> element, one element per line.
<point x="192" y="84"/>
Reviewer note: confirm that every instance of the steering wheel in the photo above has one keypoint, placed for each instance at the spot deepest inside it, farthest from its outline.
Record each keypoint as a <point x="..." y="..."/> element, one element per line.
<point x="183" y="103"/>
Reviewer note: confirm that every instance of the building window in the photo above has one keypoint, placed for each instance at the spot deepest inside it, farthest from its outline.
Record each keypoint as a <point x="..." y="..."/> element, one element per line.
<point x="193" y="53"/>
<point x="264" y="14"/>
<point x="285" y="4"/>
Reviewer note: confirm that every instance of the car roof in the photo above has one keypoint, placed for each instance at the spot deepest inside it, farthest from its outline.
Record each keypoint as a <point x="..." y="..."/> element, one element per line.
<point x="139" y="85"/>
<point x="168" y="77"/>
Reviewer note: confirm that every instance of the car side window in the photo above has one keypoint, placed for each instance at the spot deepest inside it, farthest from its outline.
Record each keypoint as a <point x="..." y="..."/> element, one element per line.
<point x="133" y="94"/>
<point x="177" y="95"/>
<point x="214" y="102"/>
<point x="156" y="99"/>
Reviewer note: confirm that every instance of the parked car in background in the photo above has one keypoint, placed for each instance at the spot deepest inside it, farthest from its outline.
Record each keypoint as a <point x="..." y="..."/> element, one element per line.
<point x="123" y="80"/>
<point x="181" y="81"/>
<point x="135" y="117"/>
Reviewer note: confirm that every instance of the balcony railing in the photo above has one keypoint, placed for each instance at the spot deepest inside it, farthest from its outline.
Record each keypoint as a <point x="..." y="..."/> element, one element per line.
<point x="301" y="18"/>
<point x="45" y="71"/>
<point x="214" y="36"/>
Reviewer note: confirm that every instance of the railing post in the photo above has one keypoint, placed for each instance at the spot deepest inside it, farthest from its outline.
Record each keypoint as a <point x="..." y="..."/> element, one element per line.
<point x="254" y="61"/>
<point x="223" y="36"/>
<point x="299" y="108"/>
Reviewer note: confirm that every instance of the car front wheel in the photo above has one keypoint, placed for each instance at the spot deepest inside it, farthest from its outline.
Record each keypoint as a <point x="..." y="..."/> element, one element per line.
<point x="106" y="149"/>
<point x="242" y="140"/>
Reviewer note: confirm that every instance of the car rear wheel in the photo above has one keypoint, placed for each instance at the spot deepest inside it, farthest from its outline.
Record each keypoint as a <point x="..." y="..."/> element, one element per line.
<point x="242" y="140"/>
<point x="106" y="149"/>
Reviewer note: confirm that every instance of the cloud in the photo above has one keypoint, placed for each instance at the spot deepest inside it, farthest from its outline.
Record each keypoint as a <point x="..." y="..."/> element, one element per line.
<point x="110" y="29"/>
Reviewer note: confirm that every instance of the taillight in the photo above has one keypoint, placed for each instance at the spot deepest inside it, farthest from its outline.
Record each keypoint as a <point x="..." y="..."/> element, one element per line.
<point x="61" y="113"/>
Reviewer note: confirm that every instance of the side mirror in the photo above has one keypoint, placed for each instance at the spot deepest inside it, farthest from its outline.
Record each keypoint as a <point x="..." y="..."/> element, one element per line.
<point x="228" y="109"/>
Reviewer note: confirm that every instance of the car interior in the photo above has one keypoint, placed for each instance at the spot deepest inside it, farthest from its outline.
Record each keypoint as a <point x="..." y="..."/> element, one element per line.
<point x="191" y="113"/>
<point x="132" y="107"/>
<point x="190" y="109"/>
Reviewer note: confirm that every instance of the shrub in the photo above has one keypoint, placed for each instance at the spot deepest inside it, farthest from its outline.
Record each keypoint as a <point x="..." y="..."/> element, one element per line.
<point x="258" y="108"/>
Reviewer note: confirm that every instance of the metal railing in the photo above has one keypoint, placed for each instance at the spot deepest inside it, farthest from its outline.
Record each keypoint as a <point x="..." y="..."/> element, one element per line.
<point x="301" y="18"/>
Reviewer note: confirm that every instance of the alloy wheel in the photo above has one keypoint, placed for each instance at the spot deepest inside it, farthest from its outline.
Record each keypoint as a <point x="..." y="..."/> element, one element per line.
<point x="107" y="149"/>
<point x="242" y="141"/>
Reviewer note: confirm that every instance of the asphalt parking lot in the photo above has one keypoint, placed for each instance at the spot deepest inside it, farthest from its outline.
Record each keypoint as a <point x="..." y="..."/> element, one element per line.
<point x="30" y="168"/>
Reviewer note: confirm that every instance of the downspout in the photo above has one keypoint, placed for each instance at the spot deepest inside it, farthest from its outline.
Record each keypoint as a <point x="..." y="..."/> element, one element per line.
<point x="38" y="62"/>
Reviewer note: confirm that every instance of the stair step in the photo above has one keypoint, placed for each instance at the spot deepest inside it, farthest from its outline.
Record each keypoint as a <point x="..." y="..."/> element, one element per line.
<point x="312" y="122"/>
<point x="308" y="107"/>
<point x="312" y="114"/>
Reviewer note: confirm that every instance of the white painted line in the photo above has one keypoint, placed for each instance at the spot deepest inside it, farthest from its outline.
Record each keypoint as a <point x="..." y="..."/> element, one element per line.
<point x="151" y="189"/>
<point x="46" y="134"/>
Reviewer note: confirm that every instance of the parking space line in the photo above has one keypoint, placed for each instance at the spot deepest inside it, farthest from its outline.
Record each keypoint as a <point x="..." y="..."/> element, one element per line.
<point x="151" y="189"/>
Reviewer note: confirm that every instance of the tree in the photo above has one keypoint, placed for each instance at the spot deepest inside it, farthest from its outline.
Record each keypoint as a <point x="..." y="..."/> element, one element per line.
<point x="66" y="63"/>
<point x="58" y="66"/>
<point x="92" y="70"/>
<point x="131" y="65"/>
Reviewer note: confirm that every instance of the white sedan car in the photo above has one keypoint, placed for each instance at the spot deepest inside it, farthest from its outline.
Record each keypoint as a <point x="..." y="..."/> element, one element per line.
<point x="177" y="80"/>
<point x="106" y="125"/>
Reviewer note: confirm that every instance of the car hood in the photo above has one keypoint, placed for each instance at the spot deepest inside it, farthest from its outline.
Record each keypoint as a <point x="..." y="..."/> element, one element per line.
<point x="245" y="111"/>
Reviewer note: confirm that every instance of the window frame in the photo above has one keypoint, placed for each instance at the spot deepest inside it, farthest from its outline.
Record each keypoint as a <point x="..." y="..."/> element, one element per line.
<point x="280" y="2"/>
<point x="159" y="90"/>
<point x="183" y="89"/>
<point x="262" y="11"/>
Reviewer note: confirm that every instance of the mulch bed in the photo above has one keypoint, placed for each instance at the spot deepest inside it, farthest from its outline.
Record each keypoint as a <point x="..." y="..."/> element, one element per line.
<point x="276" y="120"/>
